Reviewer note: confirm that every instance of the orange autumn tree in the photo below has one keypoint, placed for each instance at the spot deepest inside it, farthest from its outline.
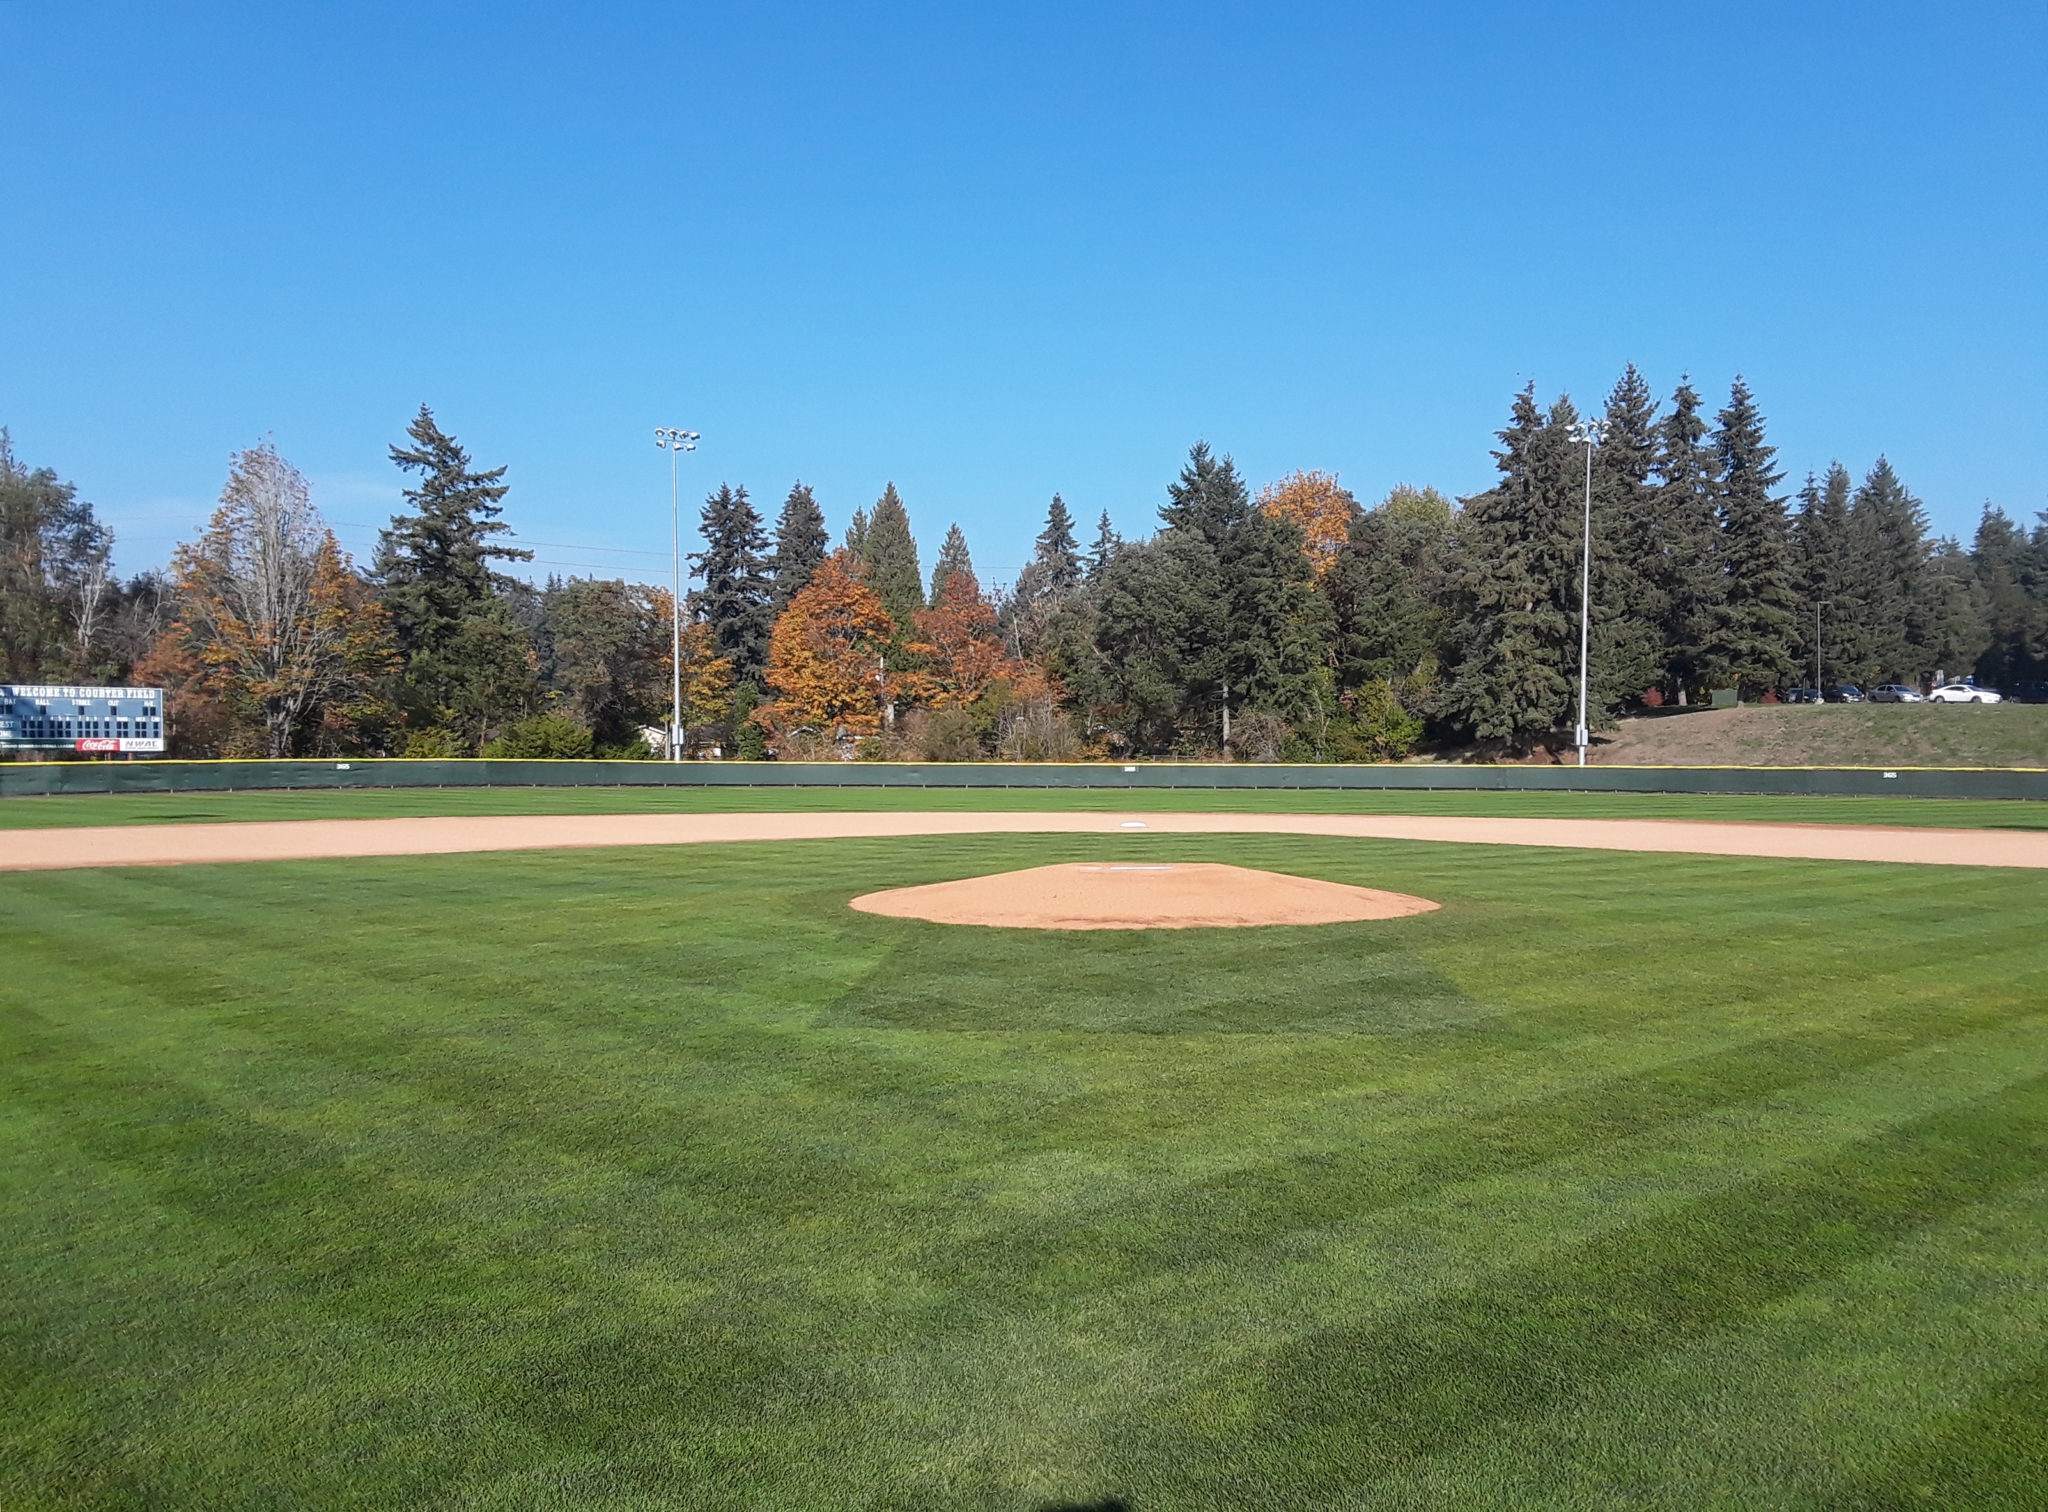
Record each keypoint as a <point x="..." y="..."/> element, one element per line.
<point x="825" y="659"/>
<point x="1323" y="511"/>
<point x="961" y="645"/>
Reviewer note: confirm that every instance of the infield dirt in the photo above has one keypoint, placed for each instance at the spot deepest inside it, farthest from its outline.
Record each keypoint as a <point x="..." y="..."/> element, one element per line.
<point x="184" y="844"/>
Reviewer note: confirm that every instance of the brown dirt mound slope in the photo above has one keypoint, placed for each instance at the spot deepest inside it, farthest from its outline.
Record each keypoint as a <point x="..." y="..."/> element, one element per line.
<point x="1184" y="895"/>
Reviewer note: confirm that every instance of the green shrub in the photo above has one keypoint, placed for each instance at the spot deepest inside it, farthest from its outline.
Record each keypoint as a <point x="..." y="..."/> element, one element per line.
<point x="1374" y="727"/>
<point x="544" y="736"/>
<point x="433" y="745"/>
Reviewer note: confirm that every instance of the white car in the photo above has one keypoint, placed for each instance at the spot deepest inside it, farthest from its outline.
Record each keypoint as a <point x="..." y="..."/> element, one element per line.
<point x="1964" y="693"/>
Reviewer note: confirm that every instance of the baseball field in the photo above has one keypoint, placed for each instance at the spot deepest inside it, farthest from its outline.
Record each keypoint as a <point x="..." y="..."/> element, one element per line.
<point x="655" y="1176"/>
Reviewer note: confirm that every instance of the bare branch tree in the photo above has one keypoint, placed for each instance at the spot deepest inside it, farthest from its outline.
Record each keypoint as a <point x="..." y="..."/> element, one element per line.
<point x="89" y="607"/>
<point x="264" y="600"/>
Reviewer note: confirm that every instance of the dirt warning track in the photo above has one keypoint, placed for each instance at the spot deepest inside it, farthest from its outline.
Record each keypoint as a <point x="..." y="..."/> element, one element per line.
<point x="314" y="839"/>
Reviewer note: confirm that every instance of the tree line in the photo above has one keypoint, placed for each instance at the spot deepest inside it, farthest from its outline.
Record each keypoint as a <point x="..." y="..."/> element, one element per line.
<point x="1287" y="622"/>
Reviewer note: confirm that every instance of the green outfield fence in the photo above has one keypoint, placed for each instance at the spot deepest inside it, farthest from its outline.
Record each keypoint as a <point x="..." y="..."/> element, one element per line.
<point x="28" y="779"/>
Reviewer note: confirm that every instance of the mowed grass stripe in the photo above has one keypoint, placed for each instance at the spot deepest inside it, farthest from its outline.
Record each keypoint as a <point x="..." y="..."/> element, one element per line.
<point x="81" y="809"/>
<point x="820" y="1230"/>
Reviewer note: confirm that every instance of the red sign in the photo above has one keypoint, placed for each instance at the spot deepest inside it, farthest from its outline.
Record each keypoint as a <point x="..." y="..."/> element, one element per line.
<point x="99" y="745"/>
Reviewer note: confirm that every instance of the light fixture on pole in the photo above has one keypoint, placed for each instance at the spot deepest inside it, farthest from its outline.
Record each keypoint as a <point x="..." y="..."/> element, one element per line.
<point x="675" y="443"/>
<point x="1590" y="432"/>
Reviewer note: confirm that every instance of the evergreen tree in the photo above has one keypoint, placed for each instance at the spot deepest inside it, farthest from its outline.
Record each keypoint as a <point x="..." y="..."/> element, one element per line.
<point x="1208" y="499"/>
<point x="2015" y="620"/>
<point x="435" y="563"/>
<point x="1830" y="613"/>
<point x="1106" y="543"/>
<point x="1052" y="574"/>
<point x="467" y="663"/>
<point x="890" y="554"/>
<point x="598" y="646"/>
<point x="1757" y="627"/>
<point x="1887" y="534"/>
<point x="1388" y="591"/>
<point x="736" y="600"/>
<point x="1056" y="551"/>
<point x="1273" y="629"/>
<point x="1160" y="630"/>
<point x="1956" y="629"/>
<point x="1516" y="679"/>
<point x="953" y="558"/>
<point x="800" y="542"/>
<point x="1628" y="608"/>
<point x="856" y="540"/>
<point x="1684" y="566"/>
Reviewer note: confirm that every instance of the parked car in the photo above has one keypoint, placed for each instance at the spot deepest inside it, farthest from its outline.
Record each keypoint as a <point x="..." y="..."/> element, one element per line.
<point x="1804" y="695"/>
<point x="1845" y="693"/>
<point x="2028" y="692"/>
<point x="1894" y="693"/>
<point x="1964" y="693"/>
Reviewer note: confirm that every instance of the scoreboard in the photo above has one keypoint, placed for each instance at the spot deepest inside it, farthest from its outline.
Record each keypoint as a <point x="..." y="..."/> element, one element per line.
<point x="65" y="717"/>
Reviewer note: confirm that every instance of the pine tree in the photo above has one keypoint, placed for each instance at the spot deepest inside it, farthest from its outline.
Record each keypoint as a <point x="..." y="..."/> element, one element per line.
<point x="1830" y="617"/>
<point x="2015" y="621"/>
<point x="435" y="563"/>
<point x="1272" y="632"/>
<point x="1516" y="677"/>
<point x="1106" y="543"/>
<point x="890" y="553"/>
<point x="1887" y="532"/>
<point x="1628" y="609"/>
<point x="1052" y="574"/>
<point x="736" y="600"/>
<point x="1684" y="567"/>
<point x="1757" y="627"/>
<point x="855" y="543"/>
<point x="1160" y="629"/>
<point x="1389" y="591"/>
<point x="1209" y="499"/>
<point x="1056" y="551"/>
<point x="1957" y="629"/>
<point x="800" y="541"/>
<point x="953" y="558"/>
<point x="468" y="664"/>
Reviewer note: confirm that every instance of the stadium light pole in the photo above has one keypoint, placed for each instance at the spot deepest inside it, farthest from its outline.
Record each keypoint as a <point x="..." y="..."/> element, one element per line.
<point x="675" y="443"/>
<point x="1590" y="432"/>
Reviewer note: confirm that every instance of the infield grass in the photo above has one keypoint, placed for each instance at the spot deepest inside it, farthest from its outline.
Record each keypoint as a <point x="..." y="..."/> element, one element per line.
<point x="659" y="1179"/>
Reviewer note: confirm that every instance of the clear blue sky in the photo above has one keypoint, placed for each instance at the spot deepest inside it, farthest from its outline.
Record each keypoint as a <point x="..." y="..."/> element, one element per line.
<point x="990" y="252"/>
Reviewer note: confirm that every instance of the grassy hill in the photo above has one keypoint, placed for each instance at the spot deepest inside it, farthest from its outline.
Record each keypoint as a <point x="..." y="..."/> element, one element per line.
<point x="1938" y="735"/>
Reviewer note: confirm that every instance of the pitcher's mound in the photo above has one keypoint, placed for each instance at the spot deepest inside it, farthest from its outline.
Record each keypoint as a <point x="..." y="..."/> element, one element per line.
<point x="1198" y="895"/>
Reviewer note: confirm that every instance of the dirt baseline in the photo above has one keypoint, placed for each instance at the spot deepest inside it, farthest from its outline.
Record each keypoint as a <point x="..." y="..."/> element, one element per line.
<point x="311" y="839"/>
<point x="1109" y="895"/>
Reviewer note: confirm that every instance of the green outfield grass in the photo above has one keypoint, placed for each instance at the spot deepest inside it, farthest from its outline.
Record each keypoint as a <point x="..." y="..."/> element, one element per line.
<point x="659" y="1179"/>
<point x="208" y="808"/>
